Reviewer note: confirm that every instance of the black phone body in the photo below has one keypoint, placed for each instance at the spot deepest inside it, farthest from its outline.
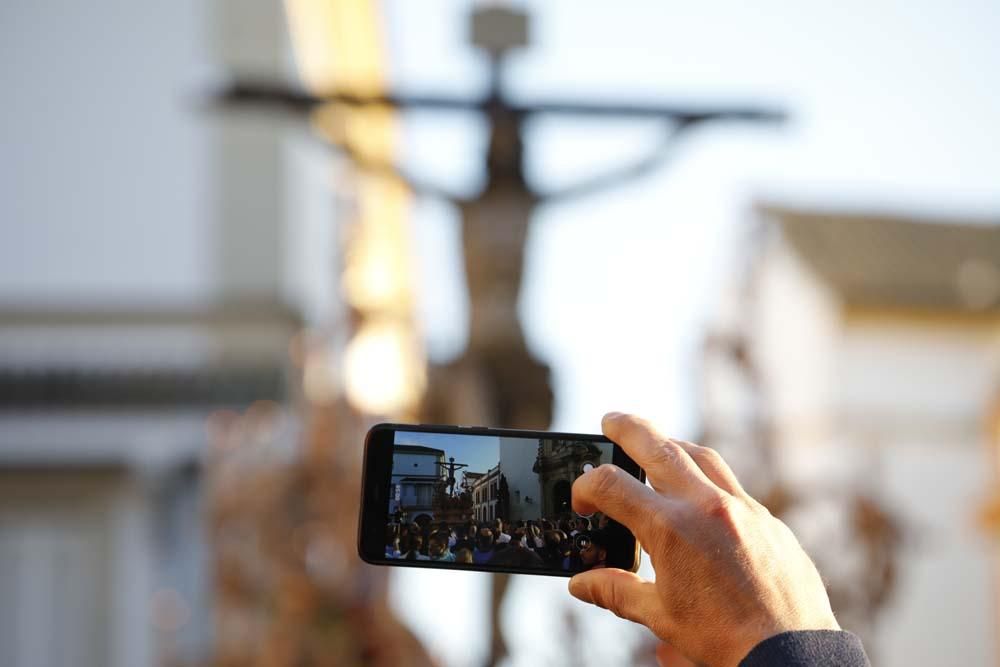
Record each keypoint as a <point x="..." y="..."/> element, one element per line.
<point x="486" y="499"/>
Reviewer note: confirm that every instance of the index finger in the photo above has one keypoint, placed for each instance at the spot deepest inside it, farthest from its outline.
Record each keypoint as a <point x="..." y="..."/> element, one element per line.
<point x="669" y="468"/>
<point x="609" y="489"/>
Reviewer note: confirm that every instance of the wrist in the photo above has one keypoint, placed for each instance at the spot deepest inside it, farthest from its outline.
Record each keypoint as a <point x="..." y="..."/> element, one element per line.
<point x="753" y="635"/>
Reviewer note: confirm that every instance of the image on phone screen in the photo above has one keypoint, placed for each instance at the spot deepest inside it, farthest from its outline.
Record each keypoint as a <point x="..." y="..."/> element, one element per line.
<point x="496" y="502"/>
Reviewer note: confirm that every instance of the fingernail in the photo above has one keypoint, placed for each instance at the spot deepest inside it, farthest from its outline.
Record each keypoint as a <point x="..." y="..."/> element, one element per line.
<point x="579" y="590"/>
<point x="613" y="415"/>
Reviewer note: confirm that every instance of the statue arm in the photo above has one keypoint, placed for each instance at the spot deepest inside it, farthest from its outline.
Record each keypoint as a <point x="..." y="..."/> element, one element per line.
<point x="394" y="172"/>
<point x="614" y="178"/>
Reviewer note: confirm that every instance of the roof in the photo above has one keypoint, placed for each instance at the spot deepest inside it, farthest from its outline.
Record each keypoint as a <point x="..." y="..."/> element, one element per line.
<point x="485" y="478"/>
<point x="417" y="449"/>
<point x="876" y="260"/>
<point x="79" y="346"/>
<point x="215" y="385"/>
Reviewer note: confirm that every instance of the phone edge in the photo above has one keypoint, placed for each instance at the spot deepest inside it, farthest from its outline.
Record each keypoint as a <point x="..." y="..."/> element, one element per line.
<point x="473" y="430"/>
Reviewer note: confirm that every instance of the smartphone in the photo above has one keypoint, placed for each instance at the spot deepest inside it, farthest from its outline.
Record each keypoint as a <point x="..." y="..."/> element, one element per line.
<point x="492" y="500"/>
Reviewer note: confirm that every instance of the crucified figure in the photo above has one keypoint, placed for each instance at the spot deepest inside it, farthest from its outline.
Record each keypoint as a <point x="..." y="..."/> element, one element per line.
<point x="497" y="381"/>
<point x="452" y="468"/>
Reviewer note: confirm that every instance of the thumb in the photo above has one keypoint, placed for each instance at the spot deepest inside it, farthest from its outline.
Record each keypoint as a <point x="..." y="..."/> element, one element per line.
<point x="623" y="593"/>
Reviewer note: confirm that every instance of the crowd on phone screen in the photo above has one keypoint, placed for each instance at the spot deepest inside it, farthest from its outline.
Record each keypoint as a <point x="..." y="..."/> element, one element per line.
<point x="565" y="544"/>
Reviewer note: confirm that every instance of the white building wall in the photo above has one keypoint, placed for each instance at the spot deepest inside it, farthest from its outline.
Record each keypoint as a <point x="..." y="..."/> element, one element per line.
<point x="896" y="405"/>
<point x="796" y="337"/>
<point x="945" y="612"/>
<point x="485" y="495"/>
<point x="55" y="576"/>
<point x="114" y="196"/>
<point x="517" y="457"/>
<point x="407" y="465"/>
<point x="414" y="494"/>
<point x="932" y="369"/>
<point x="116" y="186"/>
<point x="918" y="392"/>
<point x="77" y="572"/>
<point x="105" y="172"/>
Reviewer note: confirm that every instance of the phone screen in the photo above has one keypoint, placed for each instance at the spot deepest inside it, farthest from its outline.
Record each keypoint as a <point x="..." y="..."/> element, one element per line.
<point x="488" y="500"/>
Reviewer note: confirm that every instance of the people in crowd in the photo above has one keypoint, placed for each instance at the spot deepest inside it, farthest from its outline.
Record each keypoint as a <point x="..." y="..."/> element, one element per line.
<point x="535" y="536"/>
<point x="437" y="548"/>
<point x="556" y="548"/>
<point x="391" y="542"/>
<point x="551" y="552"/>
<point x="594" y="550"/>
<point x="484" y="547"/>
<point x="462" y="539"/>
<point x="414" y="548"/>
<point x="570" y="550"/>
<point x="516" y="556"/>
<point x="500" y="535"/>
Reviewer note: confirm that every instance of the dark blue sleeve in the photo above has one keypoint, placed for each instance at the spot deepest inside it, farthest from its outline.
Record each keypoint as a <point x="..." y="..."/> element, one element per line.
<point x="808" y="648"/>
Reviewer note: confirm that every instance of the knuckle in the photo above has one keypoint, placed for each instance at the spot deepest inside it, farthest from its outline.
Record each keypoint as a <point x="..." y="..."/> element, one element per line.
<point x="759" y="508"/>
<point x="707" y="455"/>
<point x="613" y="597"/>
<point x="666" y="453"/>
<point x="617" y="602"/>
<point x="718" y="506"/>
<point x="659" y="530"/>
<point x="604" y="479"/>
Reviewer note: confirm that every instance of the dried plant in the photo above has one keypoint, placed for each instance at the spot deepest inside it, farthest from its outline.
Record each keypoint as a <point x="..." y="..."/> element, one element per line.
<point x="282" y="521"/>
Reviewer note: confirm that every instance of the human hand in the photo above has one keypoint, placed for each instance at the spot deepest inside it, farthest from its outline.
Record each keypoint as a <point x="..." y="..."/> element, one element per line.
<point x="728" y="574"/>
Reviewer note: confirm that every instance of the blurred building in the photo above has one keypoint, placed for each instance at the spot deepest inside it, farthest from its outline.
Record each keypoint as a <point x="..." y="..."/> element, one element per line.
<point x="157" y="263"/>
<point x="101" y="433"/>
<point x="868" y="356"/>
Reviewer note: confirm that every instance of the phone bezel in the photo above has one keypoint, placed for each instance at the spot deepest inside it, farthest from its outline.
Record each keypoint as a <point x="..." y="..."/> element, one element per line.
<point x="377" y="472"/>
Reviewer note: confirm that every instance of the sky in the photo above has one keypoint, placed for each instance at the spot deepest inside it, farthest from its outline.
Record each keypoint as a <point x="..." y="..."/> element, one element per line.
<point x="479" y="452"/>
<point x="892" y="107"/>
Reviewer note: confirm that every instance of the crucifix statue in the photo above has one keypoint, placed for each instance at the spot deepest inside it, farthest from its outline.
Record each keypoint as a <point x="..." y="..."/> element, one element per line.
<point x="497" y="381"/>
<point x="452" y="468"/>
